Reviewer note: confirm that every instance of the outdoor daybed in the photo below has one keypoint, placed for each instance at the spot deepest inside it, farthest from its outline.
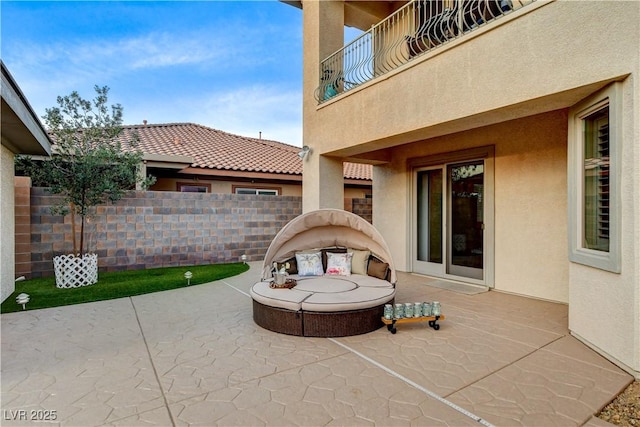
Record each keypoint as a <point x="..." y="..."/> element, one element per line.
<point x="331" y="299"/>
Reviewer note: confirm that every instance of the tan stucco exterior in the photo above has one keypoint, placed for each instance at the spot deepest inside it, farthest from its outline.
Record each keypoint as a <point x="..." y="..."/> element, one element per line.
<point x="227" y="187"/>
<point x="21" y="133"/>
<point x="510" y="86"/>
<point x="618" y="294"/>
<point x="530" y="171"/>
<point x="7" y="254"/>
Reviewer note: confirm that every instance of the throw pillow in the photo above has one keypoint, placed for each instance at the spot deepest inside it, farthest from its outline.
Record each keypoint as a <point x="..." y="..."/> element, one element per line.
<point x="359" y="261"/>
<point x="377" y="268"/>
<point x="335" y="250"/>
<point x="339" y="264"/>
<point x="309" y="264"/>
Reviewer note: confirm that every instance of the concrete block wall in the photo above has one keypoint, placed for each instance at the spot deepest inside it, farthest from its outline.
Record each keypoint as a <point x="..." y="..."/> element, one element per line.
<point x="363" y="207"/>
<point x="157" y="229"/>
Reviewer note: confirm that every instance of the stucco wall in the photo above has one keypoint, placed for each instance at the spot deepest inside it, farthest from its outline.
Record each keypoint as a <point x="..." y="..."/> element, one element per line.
<point x="507" y="70"/>
<point x="6" y="224"/>
<point x="225" y="187"/>
<point x="485" y="89"/>
<point x="530" y="201"/>
<point x="604" y="308"/>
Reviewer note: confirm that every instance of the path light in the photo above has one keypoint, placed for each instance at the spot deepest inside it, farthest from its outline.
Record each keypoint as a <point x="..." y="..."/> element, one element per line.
<point x="188" y="275"/>
<point x="22" y="299"/>
<point x="244" y="258"/>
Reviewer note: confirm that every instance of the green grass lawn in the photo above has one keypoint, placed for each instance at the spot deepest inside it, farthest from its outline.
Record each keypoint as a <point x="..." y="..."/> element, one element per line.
<point x="44" y="294"/>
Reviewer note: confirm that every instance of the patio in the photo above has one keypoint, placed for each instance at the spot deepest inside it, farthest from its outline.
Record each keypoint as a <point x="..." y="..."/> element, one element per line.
<point x="194" y="357"/>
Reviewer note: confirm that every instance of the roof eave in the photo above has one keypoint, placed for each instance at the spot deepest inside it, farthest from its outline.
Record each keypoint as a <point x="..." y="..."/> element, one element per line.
<point x="22" y="131"/>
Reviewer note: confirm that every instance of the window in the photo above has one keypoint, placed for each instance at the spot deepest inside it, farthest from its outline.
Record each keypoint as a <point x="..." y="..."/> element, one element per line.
<point x="594" y="182"/>
<point x="184" y="187"/>
<point x="258" y="191"/>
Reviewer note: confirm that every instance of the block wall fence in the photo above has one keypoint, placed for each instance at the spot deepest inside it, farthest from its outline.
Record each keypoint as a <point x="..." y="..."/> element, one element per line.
<point x="149" y="229"/>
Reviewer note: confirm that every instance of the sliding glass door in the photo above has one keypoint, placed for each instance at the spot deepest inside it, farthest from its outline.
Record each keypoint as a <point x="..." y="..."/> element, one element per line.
<point x="449" y="225"/>
<point x="466" y="218"/>
<point x="430" y="221"/>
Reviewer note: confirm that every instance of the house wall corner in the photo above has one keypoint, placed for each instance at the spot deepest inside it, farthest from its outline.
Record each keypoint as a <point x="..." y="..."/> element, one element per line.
<point x="604" y="306"/>
<point x="7" y="224"/>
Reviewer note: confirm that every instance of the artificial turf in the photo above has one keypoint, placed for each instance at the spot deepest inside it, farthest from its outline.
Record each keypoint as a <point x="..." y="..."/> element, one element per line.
<point x="43" y="292"/>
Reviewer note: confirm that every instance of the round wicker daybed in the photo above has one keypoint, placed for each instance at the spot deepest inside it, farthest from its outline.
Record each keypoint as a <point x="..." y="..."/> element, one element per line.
<point x="326" y="305"/>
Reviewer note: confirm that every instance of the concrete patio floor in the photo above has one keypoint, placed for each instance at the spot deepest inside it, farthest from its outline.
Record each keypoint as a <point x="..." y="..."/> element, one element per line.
<point x="194" y="357"/>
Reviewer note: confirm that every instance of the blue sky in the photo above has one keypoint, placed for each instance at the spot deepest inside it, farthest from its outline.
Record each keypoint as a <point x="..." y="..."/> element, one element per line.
<point x="231" y="65"/>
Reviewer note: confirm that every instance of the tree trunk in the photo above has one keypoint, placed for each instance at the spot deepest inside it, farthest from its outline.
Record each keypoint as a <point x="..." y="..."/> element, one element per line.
<point x="73" y="228"/>
<point x="82" y="236"/>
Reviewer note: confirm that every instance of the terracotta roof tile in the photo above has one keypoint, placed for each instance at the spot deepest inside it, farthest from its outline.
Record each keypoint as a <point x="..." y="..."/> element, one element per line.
<point x="215" y="149"/>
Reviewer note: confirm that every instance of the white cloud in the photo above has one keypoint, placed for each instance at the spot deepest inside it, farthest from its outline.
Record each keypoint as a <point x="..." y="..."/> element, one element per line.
<point x="155" y="77"/>
<point x="246" y="111"/>
<point x="110" y="57"/>
<point x="259" y="108"/>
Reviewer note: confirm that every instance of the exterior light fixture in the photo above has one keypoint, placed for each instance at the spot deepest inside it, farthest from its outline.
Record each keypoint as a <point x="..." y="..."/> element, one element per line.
<point x="22" y="299"/>
<point x="305" y="150"/>
<point x="188" y="275"/>
<point x="244" y="258"/>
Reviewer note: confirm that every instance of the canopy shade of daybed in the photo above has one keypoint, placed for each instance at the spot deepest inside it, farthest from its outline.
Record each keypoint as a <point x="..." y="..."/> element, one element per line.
<point x="325" y="228"/>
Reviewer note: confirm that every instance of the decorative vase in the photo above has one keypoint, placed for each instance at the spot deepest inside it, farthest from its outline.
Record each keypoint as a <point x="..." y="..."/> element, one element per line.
<point x="74" y="271"/>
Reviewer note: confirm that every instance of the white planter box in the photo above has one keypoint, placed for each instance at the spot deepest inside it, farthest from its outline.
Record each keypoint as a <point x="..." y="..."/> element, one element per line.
<point x="73" y="271"/>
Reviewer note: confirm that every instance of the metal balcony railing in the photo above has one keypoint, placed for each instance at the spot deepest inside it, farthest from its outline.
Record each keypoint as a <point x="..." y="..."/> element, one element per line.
<point x="417" y="28"/>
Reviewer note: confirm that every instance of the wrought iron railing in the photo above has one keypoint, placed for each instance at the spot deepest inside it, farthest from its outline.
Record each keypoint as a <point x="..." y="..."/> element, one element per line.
<point x="417" y="28"/>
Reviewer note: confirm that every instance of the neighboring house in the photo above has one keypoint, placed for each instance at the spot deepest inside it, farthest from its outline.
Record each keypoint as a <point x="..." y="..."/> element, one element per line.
<point x="191" y="157"/>
<point x="505" y="139"/>
<point x="22" y="133"/>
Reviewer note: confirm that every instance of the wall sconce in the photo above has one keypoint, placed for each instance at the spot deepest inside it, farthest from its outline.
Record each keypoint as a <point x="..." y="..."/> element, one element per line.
<point x="305" y="150"/>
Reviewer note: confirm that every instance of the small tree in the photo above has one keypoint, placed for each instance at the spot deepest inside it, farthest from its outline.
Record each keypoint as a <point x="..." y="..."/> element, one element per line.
<point x="93" y="163"/>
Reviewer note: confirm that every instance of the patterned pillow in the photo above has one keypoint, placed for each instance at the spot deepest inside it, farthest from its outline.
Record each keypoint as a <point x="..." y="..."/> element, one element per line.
<point x="339" y="264"/>
<point x="309" y="264"/>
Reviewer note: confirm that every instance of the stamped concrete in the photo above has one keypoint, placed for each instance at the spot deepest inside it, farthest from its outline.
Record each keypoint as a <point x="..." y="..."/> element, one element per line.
<point x="194" y="357"/>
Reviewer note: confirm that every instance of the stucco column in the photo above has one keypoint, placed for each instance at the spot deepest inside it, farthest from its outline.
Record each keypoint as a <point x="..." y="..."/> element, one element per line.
<point x="323" y="183"/>
<point x="7" y="224"/>
<point x="323" y="178"/>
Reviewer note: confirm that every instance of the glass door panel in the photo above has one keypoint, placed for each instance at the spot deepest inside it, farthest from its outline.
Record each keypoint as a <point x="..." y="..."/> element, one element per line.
<point x="429" y="222"/>
<point x="466" y="219"/>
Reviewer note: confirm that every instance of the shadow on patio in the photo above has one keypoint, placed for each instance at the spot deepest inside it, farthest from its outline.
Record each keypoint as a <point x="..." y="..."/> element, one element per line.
<point x="194" y="357"/>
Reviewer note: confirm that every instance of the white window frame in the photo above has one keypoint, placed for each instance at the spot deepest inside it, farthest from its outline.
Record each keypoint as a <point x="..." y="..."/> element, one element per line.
<point x="257" y="191"/>
<point x="611" y="96"/>
<point x="184" y="186"/>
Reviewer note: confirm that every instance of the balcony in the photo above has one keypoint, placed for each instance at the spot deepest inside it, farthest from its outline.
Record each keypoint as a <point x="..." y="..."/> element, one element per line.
<point x="419" y="27"/>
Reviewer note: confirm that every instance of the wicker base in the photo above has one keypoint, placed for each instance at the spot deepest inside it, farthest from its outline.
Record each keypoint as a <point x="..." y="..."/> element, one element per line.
<point x="277" y="319"/>
<point x="317" y="324"/>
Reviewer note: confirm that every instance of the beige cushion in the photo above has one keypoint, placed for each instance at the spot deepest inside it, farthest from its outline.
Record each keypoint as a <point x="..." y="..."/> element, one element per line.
<point x="326" y="284"/>
<point x="359" y="261"/>
<point x="369" y="281"/>
<point x="353" y="300"/>
<point x="289" y="299"/>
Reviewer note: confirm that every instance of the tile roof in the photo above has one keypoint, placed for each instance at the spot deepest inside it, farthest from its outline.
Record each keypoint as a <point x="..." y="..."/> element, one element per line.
<point x="215" y="149"/>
